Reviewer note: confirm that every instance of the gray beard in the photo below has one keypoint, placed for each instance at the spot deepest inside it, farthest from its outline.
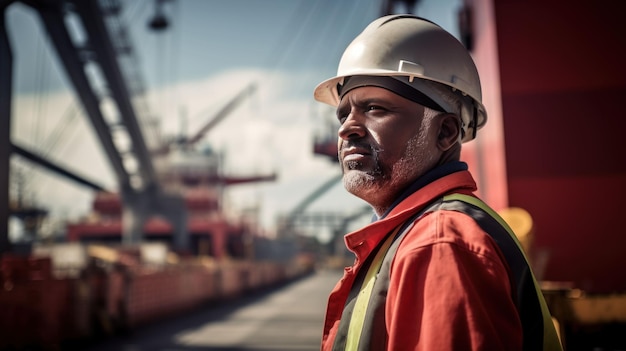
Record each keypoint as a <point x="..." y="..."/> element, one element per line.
<point x="372" y="179"/>
<point x="383" y="182"/>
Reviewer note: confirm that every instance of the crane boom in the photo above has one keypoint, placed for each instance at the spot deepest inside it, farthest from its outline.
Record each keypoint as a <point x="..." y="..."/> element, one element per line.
<point x="221" y="114"/>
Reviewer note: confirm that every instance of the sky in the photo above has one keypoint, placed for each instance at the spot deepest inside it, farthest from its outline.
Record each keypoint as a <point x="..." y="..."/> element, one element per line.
<point x="210" y="51"/>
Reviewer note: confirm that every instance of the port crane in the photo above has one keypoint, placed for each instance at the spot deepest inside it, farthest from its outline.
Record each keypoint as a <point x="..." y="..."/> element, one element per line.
<point x="124" y="134"/>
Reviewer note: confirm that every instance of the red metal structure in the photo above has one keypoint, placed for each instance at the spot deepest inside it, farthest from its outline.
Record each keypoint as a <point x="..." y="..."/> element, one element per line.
<point x="560" y="79"/>
<point x="553" y="79"/>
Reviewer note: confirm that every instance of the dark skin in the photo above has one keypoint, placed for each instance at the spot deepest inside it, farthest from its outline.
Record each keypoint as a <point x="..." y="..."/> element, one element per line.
<point x="386" y="142"/>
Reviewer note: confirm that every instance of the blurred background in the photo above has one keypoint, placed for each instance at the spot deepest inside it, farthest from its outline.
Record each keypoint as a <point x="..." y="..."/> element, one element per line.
<point x="157" y="155"/>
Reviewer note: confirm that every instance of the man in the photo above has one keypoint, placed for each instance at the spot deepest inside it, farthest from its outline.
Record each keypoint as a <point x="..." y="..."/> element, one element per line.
<point x="438" y="269"/>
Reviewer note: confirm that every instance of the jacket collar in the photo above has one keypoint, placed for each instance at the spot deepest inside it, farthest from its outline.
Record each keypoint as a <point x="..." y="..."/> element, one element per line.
<point x="430" y="176"/>
<point x="364" y="240"/>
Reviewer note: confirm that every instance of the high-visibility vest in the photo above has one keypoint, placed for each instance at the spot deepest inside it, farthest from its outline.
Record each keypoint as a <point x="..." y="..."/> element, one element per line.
<point x="364" y="314"/>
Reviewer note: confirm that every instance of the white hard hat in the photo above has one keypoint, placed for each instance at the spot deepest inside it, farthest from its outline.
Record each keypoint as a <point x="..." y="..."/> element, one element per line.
<point x="406" y="47"/>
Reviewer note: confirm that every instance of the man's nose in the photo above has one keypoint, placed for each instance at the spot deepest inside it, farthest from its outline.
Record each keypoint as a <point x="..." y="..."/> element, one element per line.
<point x="352" y="127"/>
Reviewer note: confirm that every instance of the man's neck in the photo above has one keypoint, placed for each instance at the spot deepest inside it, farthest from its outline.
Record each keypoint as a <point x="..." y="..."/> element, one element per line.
<point x="428" y="177"/>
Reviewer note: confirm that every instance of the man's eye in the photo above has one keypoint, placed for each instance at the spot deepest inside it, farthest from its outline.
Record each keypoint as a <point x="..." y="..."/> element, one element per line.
<point x="374" y="108"/>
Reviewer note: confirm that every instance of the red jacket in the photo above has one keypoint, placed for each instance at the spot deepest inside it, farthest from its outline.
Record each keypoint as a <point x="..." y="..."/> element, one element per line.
<point x="449" y="285"/>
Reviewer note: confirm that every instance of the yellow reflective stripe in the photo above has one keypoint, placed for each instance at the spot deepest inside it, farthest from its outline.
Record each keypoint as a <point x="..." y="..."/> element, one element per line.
<point x="550" y="337"/>
<point x="362" y="300"/>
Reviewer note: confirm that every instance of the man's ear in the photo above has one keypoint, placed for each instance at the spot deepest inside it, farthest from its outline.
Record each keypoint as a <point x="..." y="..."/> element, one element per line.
<point x="449" y="131"/>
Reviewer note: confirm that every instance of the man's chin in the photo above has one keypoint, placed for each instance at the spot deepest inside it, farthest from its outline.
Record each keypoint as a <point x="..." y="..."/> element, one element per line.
<point x="359" y="182"/>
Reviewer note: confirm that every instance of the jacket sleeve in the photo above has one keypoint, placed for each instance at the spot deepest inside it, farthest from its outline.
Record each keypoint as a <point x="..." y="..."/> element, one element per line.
<point x="449" y="289"/>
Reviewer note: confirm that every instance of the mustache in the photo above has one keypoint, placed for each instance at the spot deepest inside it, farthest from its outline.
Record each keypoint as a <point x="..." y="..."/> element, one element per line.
<point x="372" y="149"/>
<point x="359" y="144"/>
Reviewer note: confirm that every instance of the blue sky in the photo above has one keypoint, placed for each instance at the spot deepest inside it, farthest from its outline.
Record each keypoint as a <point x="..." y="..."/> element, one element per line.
<point x="206" y="37"/>
<point x="211" y="50"/>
